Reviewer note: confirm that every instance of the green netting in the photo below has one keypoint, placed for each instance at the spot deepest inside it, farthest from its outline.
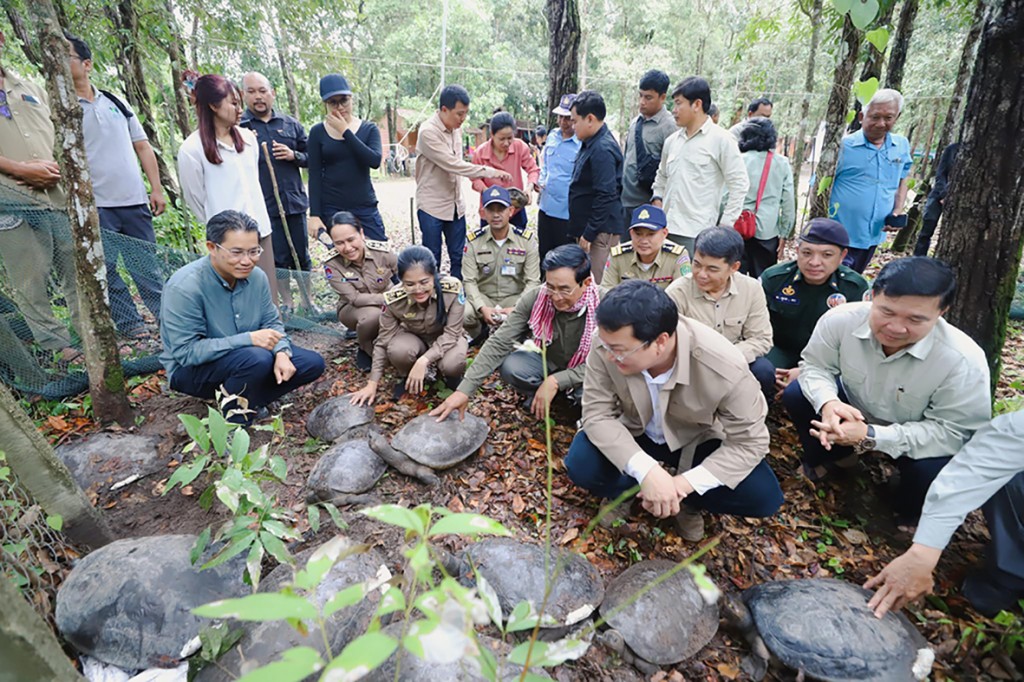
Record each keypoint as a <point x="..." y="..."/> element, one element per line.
<point x="38" y="315"/>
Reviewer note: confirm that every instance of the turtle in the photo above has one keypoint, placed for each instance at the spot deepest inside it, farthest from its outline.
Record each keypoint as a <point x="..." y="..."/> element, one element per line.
<point x="345" y="471"/>
<point x="440" y="445"/>
<point x="823" y="628"/>
<point x="669" y="623"/>
<point x="336" y="417"/>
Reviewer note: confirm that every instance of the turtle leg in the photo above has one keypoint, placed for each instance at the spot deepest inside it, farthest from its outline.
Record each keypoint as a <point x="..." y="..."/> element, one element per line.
<point x="614" y="640"/>
<point x="800" y="676"/>
<point x="738" y="615"/>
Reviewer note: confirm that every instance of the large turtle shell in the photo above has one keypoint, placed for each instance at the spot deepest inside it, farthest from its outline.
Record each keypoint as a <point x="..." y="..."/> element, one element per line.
<point x="670" y="622"/>
<point x="348" y="466"/>
<point x="825" y="628"/>
<point x="332" y="419"/>
<point x="440" y="445"/>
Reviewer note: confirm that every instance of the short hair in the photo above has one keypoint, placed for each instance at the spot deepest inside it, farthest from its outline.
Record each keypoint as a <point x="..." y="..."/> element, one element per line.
<point x="655" y="80"/>
<point x="81" y="47"/>
<point x="917" y="276"/>
<point x="757" y="135"/>
<point x="885" y="96"/>
<point x="756" y="104"/>
<point x="713" y="110"/>
<point x="720" y="242"/>
<point x="502" y="120"/>
<point x="412" y="256"/>
<point x="567" y="256"/>
<point x="694" y="88"/>
<point x="452" y="95"/>
<point x="590" y="102"/>
<point x="639" y="304"/>
<point x="230" y="220"/>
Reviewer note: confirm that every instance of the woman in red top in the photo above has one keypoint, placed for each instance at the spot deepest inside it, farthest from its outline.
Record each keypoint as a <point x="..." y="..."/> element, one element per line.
<point x="506" y="152"/>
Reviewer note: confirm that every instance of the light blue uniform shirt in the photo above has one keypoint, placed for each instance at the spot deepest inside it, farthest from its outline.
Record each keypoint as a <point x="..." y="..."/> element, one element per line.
<point x="109" y="147"/>
<point x="556" y="173"/>
<point x="203" y="319"/>
<point x="865" y="185"/>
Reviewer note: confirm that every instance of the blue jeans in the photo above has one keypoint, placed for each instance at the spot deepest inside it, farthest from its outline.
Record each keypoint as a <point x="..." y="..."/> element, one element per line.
<point x="247" y="372"/>
<point x="758" y="494"/>
<point x="764" y="371"/>
<point x="140" y="259"/>
<point x="454" y="232"/>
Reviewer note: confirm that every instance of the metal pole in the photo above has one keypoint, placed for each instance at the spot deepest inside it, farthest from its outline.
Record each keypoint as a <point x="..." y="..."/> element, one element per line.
<point x="444" y="41"/>
<point x="412" y="222"/>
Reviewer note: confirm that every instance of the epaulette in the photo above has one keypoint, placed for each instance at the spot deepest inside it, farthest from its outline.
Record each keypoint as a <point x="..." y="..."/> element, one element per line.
<point x="333" y="253"/>
<point x="451" y="285"/>
<point x="524" y="232"/>
<point x="672" y="247"/>
<point x="377" y="246"/>
<point x="392" y="296"/>
<point x="477" y="233"/>
<point x="621" y="249"/>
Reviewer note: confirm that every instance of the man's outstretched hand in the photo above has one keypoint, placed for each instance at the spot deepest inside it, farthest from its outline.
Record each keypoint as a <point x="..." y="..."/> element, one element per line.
<point x="456" y="401"/>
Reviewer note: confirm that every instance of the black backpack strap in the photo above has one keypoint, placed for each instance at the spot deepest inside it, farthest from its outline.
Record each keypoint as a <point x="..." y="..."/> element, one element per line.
<point x="121" y="106"/>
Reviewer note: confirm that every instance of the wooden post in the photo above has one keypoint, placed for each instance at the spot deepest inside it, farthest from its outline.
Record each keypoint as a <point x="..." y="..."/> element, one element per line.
<point x="412" y="222"/>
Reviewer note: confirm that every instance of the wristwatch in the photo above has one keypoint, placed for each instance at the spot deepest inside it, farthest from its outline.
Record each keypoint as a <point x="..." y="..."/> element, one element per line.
<point x="867" y="444"/>
<point x="288" y="352"/>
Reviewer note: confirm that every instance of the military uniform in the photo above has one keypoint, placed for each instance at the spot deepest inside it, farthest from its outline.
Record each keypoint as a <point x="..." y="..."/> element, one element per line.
<point x="409" y="330"/>
<point x="495" y="275"/>
<point x="795" y="306"/>
<point x="361" y="289"/>
<point x="624" y="263"/>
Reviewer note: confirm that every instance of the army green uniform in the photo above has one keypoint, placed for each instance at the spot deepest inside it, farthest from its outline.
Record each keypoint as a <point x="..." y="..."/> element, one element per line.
<point x="409" y="330"/>
<point x="361" y="289"/>
<point x="795" y="306"/>
<point x="496" y="275"/>
<point x="623" y="263"/>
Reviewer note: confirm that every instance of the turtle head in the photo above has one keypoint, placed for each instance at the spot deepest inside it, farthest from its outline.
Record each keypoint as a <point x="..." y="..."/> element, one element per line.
<point x="736" y="614"/>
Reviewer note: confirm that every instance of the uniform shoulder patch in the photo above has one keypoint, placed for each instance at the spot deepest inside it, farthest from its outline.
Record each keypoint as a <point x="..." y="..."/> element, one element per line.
<point x="627" y="247"/>
<point x="393" y="296"/>
<point x="451" y="285"/>
<point x="333" y="253"/>
<point x="524" y="232"/>
<point x="672" y="247"/>
<point x="377" y="246"/>
<point x="477" y="233"/>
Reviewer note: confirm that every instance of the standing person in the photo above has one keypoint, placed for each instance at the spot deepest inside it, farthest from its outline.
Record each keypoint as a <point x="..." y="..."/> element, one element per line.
<point x="936" y="198"/>
<point x="770" y="196"/>
<point x="644" y="142"/>
<point x="760" y="107"/>
<point x="508" y="153"/>
<point x="286" y="143"/>
<point x="439" y="165"/>
<point x="218" y="164"/>
<point x="647" y="255"/>
<point x="870" y="186"/>
<point x="115" y="142"/>
<point x="540" y="137"/>
<point x="559" y="154"/>
<point x="698" y="163"/>
<point x="342" y="150"/>
<point x="595" y="193"/>
<point x="714" y="113"/>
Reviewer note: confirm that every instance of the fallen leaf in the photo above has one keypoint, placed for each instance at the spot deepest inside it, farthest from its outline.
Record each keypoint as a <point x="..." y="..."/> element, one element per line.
<point x="568" y="536"/>
<point x="518" y="506"/>
<point x="728" y="671"/>
<point x="187" y="491"/>
<point x="855" y="537"/>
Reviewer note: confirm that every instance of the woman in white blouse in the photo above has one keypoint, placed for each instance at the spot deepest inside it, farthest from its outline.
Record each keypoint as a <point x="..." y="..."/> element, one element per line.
<point x="218" y="164"/>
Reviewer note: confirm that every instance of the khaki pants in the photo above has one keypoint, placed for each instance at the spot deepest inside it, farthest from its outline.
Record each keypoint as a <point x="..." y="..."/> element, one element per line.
<point x="473" y="323"/>
<point x="599" y="250"/>
<point x="406" y="348"/>
<point x="365" y="321"/>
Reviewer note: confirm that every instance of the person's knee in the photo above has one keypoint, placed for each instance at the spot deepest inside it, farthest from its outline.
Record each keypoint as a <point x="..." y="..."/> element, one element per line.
<point x="764" y="372"/>
<point x="579" y="462"/>
<point x="767" y="501"/>
<point x="453" y="364"/>
<point x="309" y="365"/>
<point x="252" y="361"/>
<point x="402" y="357"/>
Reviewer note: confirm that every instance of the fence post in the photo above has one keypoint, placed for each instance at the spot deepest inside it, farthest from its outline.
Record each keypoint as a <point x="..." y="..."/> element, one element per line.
<point x="28" y="648"/>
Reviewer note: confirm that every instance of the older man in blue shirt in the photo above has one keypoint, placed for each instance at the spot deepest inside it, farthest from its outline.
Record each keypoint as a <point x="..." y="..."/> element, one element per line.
<point x="222" y="332"/>
<point x="870" y="185"/>
<point x="557" y="161"/>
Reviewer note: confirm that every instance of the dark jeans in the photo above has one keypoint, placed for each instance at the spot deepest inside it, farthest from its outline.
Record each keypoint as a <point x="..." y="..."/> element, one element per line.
<point x="247" y="372"/>
<point x="454" y="232"/>
<point x="924" y="237"/>
<point x="759" y="255"/>
<point x="858" y="259"/>
<point x="758" y="494"/>
<point x="282" y="251"/>
<point x="764" y="371"/>
<point x="139" y="258"/>
<point x="915" y="474"/>
<point x="524" y="371"/>
<point x="1004" y="559"/>
<point x="518" y="219"/>
<point x="552" y="233"/>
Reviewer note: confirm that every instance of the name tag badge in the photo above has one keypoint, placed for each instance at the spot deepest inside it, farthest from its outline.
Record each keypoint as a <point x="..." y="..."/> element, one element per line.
<point x="508" y="270"/>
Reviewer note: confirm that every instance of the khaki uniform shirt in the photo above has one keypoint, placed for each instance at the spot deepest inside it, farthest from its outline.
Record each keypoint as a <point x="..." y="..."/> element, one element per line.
<point x="624" y="263"/>
<point x="710" y="394"/>
<point x="365" y="284"/>
<point x="439" y="164"/>
<point x="401" y="313"/>
<point x="740" y="314"/>
<point x="924" y="401"/>
<point x="28" y="134"/>
<point x="492" y="273"/>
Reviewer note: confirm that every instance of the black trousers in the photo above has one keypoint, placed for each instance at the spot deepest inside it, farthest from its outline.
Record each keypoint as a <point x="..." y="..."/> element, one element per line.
<point x="759" y="255"/>
<point x="551" y="233"/>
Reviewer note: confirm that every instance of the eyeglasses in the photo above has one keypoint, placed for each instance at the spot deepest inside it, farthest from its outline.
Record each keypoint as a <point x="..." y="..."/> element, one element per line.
<point x="420" y="286"/>
<point x="560" y="292"/>
<point x="237" y="254"/>
<point x="620" y="358"/>
<point x="340" y="101"/>
<point x="5" y="108"/>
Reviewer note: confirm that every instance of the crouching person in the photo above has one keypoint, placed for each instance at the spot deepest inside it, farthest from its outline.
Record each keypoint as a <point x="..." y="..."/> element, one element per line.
<point x="221" y="331"/>
<point x="663" y="392"/>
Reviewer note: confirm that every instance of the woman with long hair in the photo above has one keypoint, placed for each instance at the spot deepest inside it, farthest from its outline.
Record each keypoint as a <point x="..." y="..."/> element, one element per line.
<point x="508" y="153"/>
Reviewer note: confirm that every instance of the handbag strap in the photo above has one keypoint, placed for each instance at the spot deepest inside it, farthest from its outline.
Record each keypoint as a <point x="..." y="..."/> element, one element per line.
<point x="641" y="148"/>
<point x="764" y="180"/>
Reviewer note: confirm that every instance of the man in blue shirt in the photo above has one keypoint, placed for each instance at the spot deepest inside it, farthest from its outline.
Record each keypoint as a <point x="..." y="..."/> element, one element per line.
<point x="869" y="189"/>
<point x="557" y="160"/>
<point x="222" y="332"/>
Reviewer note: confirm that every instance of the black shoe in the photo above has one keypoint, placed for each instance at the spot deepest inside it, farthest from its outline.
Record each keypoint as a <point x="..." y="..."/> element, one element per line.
<point x="350" y="334"/>
<point x="363" y="361"/>
<point x="485" y="332"/>
<point x="989" y="594"/>
<point x="452" y="383"/>
<point x="399" y="390"/>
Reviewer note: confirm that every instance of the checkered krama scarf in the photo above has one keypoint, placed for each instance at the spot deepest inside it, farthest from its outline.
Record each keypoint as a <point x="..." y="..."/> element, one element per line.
<point x="542" y="318"/>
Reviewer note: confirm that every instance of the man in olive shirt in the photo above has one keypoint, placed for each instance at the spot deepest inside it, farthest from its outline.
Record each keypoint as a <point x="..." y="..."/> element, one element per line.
<point x="644" y="140"/>
<point x="647" y="256"/>
<point x="501" y="261"/>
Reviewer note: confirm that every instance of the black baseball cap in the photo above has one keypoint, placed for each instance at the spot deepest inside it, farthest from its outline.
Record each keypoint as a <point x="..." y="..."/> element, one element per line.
<point x="826" y="231"/>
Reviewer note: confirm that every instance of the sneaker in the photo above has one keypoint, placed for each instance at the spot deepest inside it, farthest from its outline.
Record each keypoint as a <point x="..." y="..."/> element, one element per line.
<point x="363" y="361"/>
<point x="690" y="524"/>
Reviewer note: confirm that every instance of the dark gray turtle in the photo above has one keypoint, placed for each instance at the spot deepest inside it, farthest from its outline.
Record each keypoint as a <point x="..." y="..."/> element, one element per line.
<point x="104" y="458"/>
<point x="440" y="445"/>
<point x="667" y="624"/>
<point x="824" y="629"/>
<point x="346" y="469"/>
<point x="332" y="419"/>
<point x="515" y="570"/>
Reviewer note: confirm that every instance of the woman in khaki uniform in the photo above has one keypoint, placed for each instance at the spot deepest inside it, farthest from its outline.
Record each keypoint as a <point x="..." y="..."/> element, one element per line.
<point x="421" y="324"/>
<point x="360" y="270"/>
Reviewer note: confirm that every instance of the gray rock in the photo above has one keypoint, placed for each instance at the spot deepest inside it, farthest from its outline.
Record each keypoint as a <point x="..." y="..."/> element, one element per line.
<point x="330" y="421"/>
<point x="670" y="622"/>
<point x="105" y="458"/>
<point x="346" y="467"/>
<point x="129" y="603"/>
<point x="440" y="445"/>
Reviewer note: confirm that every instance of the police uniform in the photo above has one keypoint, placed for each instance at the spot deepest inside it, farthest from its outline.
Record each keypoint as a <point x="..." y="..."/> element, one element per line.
<point x="361" y="289"/>
<point x="409" y="330"/>
<point x="795" y="306"/>
<point x="496" y="274"/>
<point x="624" y="263"/>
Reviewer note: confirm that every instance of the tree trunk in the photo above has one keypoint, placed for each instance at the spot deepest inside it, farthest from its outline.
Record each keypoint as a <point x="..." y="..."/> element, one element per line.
<point x="984" y="210"/>
<point x="15" y="17"/>
<point x="563" y="50"/>
<point x="835" y="116"/>
<point x="176" y="54"/>
<point x="282" y="59"/>
<point x="102" y="360"/>
<point x="28" y="647"/>
<point x="814" y="15"/>
<point x="901" y="44"/>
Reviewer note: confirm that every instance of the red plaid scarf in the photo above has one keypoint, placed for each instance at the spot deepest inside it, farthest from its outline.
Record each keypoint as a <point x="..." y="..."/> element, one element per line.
<point x="543" y="315"/>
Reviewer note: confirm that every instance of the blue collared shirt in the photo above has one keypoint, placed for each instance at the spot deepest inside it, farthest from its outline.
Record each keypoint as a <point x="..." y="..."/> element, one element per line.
<point x="556" y="172"/>
<point x="865" y="184"/>
<point x="203" y="319"/>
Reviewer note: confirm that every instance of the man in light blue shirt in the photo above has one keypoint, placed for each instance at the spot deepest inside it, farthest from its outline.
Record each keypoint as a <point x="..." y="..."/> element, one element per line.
<point x="869" y="188"/>
<point x="557" y="162"/>
<point x="221" y="332"/>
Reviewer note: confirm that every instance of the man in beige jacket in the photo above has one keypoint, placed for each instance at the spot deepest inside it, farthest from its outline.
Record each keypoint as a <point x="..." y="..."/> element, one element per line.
<point x="663" y="392"/>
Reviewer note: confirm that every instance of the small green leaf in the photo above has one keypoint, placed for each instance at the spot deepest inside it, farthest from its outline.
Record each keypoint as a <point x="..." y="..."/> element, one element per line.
<point x="490" y="599"/>
<point x="363" y="654"/>
<point x="201" y="544"/>
<point x="863" y="13"/>
<point x="392" y="601"/>
<point x="548" y="653"/>
<point x="237" y="546"/>
<point x="523" y="617"/>
<point x="259" y="607"/>
<point x="335" y="515"/>
<point x="879" y="37"/>
<point x="227" y="495"/>
<point x="239" y="445"/>
<point x="186" y="473"/>
<point x="850" y="115"/>
<point x="315" y="570"/>
<point x="55" y="521"/>
<point x="397" y="516"/>
<point x="347" y="597"/>
<point x="824" y="184"/>
<point x="296" y="664"/>
<point x="275" y="547"/>
<point x="218" y="432"/>
<point x="313" y="513"/>
<point x="254" y="564"/>
<point x="196" y="431"/>
<point x="281" y="530"/>
<point x="279" y="468"/>
<point x="843" y="6"/>
<point x="865" y="90"/>
<point x="468" y="524"/>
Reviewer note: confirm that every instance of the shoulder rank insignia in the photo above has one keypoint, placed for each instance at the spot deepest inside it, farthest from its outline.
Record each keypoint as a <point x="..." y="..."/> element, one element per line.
<point x="622" y="248"/>
<point x="393" y="296"/>
<point x="333" y="253"/>
<point x="672" y="247"/>
<point x="451" y="285"/>
<point x="524" y="232"/>
<point x="377" y="246"/>
<point x="477" y="233"/>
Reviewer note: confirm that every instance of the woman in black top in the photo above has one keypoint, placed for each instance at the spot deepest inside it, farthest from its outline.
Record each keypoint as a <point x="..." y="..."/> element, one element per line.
<point x="341" y="152"/>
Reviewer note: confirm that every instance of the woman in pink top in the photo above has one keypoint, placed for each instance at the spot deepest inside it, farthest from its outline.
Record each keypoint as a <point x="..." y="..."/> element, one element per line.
<point x="506" y="152"/>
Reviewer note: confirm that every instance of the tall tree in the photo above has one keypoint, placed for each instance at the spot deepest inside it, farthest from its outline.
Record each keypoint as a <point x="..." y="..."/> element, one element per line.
<point x="901" y="44"/>
<point x="15" y="15"/>
<point x="283" y="61"/>
<point x="563" y="50"/>
<point x="102" y="360"/>
<point x="812" y="8"/>
<point x="984" y="210"/>
<point x="176" y="54"/>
